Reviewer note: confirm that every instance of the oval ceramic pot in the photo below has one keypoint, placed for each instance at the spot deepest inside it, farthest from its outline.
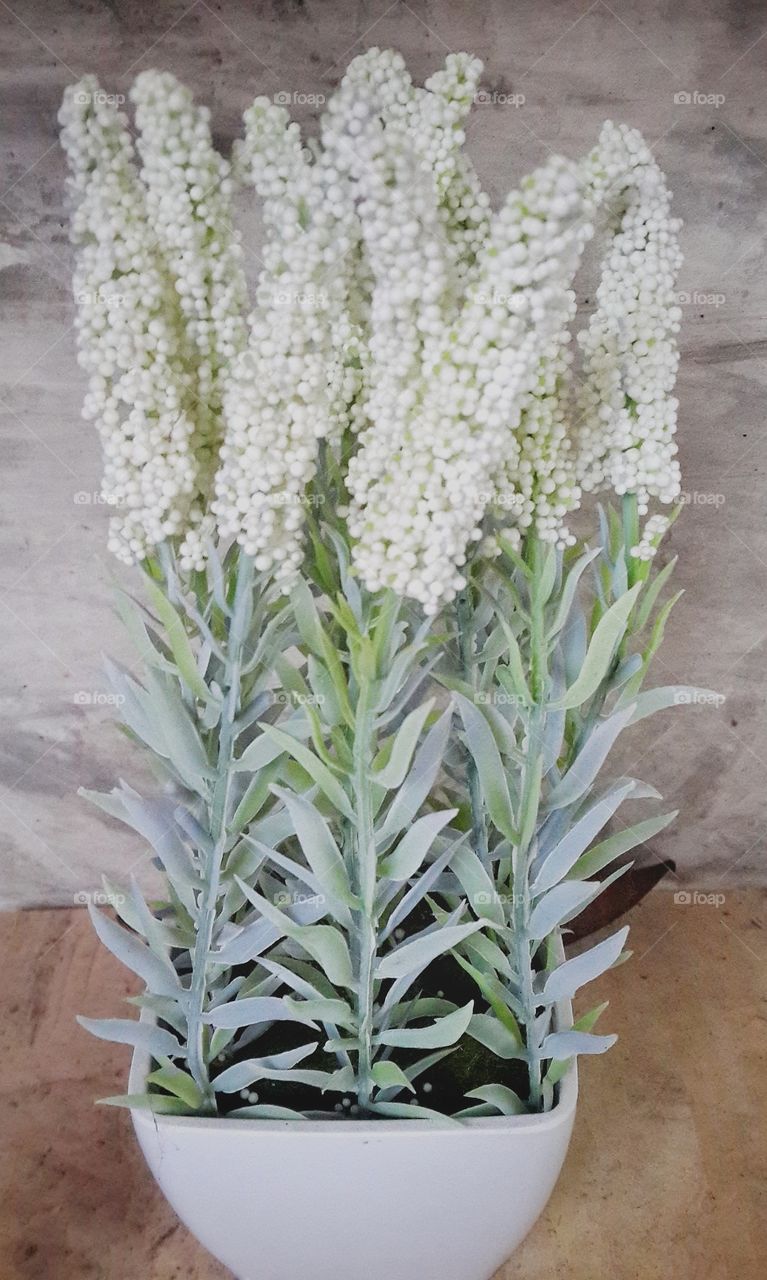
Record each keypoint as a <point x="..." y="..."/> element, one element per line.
<point x="358" y="1200"/>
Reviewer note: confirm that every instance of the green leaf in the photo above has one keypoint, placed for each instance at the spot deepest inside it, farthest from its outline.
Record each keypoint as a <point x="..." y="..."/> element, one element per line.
<point x="411" y="956"/>
<point x="568" y="594"/>
<point x="491" y="1033"/>
<point x="255" y="797"/>
<point x="443" y="1032"/>
<point x="675" y="695"/>
<point x="586" y="765"/>
<point x="406" y="738"/>
<point x="555" y="864"/>
<point x="607" y="635"/>
<point x="177" y="1082"/>
<point x="322" y="942"/>
<point x="142" y="1035"/>
<point x="159" y="975"/>
<point x="320" y="849"/>
<point x="318" y="771"/>
<point x="133" y="620"/>
<point x="387" y="1075"/>
<point x="502" y="1098"/>
<point x="559" y="904"/>
<point x="584" y="1023"/>
<point x="243" y="1074"/>
<point x="179" y="642"/>
<point x="183" y="746"/>
<point x="564" y="981"/>
<point x="252" y="1011"/>
<point x="265" y="1111"/>
<point x="516" y="667"/>
<point x="651" y="594"/>
<point x="263" y="750"/>
<point x="409" y="1111"/>
<point x="477" y="885"/>
<point x="415" y="789"/>
<point x="322" y="1010"/>
<point x="608" y="850"/>
<point x="493" y="993"/>
<point x="414" y="846"/>
<point x="561" y="1045"/>
<point x="159" y="1103"/>
<point x="487" y="758"/>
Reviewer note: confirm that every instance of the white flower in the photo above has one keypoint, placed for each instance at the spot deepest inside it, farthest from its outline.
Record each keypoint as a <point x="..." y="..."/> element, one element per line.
<point x="652" y="534"/>
<point x="454" y="350"/>
<point x="189" y="191"/>
<point x="130" y="333"/>
<point x="297" y="381"/>
<point x="630" y="358"/>
<point x="425" y="341"/>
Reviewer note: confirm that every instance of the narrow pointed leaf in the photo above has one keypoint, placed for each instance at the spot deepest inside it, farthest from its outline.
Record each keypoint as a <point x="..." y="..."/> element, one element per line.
<point x="414" y="845"/>
<point x="487" y="758"/>
<point x="393" y="773"/>
<point x="607" y="635"/>
<point x="562" y="1045"/>
<point x="589" y="760"/>
<point x="564" y="981"/>
<point x="416" y="955"/>
<point x="445" y="1031"/>
<point x="142" y="1035"/>
<point x="499" y="1096"/>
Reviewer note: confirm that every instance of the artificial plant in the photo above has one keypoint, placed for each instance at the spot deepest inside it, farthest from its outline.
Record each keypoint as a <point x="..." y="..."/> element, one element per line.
<point x="381" y="672"/>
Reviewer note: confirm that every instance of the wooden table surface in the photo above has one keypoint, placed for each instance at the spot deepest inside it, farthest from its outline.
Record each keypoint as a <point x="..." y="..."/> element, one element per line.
<point x="666" y="1177"/>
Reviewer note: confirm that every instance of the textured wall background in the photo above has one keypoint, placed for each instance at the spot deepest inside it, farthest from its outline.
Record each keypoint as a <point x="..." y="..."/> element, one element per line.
<point x="690" y="75"/>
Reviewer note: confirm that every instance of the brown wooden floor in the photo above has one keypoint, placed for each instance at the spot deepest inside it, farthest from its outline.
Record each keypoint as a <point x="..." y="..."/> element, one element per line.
<point x="666" y="1178"/>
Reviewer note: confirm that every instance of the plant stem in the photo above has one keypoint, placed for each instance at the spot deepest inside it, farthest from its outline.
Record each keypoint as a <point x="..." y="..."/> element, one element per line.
<point x="529" y="806"/>
<point x="219" y="818"/>
<point x="365" y="887"/>
<point x="630" y="517"/>
<point x="463" y="615"/>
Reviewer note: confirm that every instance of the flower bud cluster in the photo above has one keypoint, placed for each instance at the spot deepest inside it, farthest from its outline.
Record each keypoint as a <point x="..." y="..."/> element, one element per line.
<point x="131" y="336"/>
<point x="188" y="198"/>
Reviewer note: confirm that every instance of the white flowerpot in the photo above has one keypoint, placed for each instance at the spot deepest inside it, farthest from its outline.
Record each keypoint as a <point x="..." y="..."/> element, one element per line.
<point x="358" y="1200"/>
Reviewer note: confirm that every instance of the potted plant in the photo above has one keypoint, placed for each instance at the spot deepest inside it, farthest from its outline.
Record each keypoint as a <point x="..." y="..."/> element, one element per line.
<point x="379" y="674"/>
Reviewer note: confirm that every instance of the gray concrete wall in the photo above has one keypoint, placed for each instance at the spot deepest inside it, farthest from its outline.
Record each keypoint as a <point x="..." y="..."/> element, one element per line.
<point x="575" y="64"/>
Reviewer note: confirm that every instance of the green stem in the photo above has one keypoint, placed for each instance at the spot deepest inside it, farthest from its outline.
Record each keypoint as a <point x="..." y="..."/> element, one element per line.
<point x="529" y="807"/>
<point x="366" y="942"/>
<point x="219" y="819"/>
<point x="463" y="614"/>
<point x="630" y="517"/>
